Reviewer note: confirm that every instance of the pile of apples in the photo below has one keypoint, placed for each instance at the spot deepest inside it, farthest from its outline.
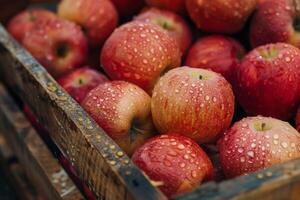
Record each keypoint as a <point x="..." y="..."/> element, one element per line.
<point x="171" y="80"/>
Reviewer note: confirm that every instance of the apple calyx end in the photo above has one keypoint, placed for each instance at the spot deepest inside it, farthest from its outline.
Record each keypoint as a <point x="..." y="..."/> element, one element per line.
<point x="164" y="23"/>
<point x="62" y="50"/>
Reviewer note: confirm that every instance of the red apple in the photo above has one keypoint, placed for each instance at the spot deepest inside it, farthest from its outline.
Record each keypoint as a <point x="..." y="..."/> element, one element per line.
<point x="172" y="23"/>
<point x="298" y="120"/>
<point x="220" y="16"/>
<point x="97" y="17"/>
<point x="122" y="109"/>
<point x="140" y="53"/>
<point x="267" y="81"/>
<point x="256" y="143"/>
<point x="59" y="45"/>
<point x="195" y="102"/>
<point x="79" y="82"/>
<point x="173" y="5"/>
<point x="174" y="163"/>
<point x="25" y="21"/>
<point x="216" y="52"/>
<point x="128" y="7"/>
<point x="275" y="21"/>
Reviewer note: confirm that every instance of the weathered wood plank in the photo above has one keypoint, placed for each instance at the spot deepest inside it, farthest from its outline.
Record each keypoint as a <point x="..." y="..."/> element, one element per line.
<point x="97" y="158"/>
<point x="276" y="183"/>
<point x="15" y="175"/>
<point x="41" y="167"/>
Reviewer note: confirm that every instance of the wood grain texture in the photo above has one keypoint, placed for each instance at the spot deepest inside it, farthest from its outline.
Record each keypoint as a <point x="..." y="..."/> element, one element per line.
<point x="280" y="182"/>
<point x="41" y="167"/>
<point x="97" y="158"/>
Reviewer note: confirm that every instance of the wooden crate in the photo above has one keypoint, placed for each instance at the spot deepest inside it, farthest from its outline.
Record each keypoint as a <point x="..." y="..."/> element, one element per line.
<point x="98" y="159"/>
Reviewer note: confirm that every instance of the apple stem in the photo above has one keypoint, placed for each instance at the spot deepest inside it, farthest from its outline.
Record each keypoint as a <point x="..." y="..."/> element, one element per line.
<point x="200" y="77"/>
<point x="263" y="125"/>
<point x="133" y="131"/>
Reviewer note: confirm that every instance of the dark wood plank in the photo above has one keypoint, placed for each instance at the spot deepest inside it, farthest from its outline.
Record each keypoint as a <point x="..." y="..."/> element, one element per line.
<point x="41" y="167"/>
<point x="98" y="160"/>
<point x="15" y="175"/>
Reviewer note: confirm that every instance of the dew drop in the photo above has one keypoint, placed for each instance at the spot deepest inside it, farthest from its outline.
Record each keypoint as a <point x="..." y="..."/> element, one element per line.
<point x="250" y="154"/>
<point x="240" y="150"/>
<point x="284" y="144"/>
<point x="242" y="159"/>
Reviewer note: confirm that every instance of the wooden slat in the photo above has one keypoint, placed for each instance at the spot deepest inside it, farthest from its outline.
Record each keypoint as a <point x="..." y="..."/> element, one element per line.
<point x="281" y="182"/>
<point x="15" y="174"/>
<point x="95" y="155"/>
<point x="41" y="167"/>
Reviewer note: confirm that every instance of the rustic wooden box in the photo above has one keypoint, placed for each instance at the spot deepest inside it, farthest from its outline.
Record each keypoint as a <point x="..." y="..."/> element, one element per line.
<point x="98" y="160"/>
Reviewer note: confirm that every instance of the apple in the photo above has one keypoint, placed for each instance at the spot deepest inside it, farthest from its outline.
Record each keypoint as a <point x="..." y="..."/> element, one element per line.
<point x="298" y="120"/>
<point x="195" y="102"/>
<point x="139" y="52"/>
<point x="98" y="18"/>
<point x="174" y="163"/>
<point x="25" y="21"/>
<point x="173" y="5"/>
<point x="59" y="45"/>
<point x="79" y="82"/>
<point x="174" y="24"/>
<point x="256" y="143"/>
<point x="122" y="109"/>
<point x="220" y="16"/>
<point x="219" y="53"/>
<point x="275" y="21"/>
<point x="128" y="7"/>
<point x="267" y="81"/>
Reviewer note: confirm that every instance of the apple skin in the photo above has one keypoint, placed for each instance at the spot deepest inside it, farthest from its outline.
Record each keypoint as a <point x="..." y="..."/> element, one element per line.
<point x="122" y="109"/>
<point x="298" y="120"/>
<point x="273" y="22"/>
<point x="176" y="164"/>
<point x="79" y="82"/>
<point x="267" y="81"/>
<point x="177" y="6"/>
<point x="59" y="45"/>
<point x="246" y="147"/>
<point x="220" y="16"/>
<point x="25" y="21"/>
<point x="174" y="24"/>
<point x="128" y="7"/>
<point x="195" y="102"/>
<point x="216" y="52"/>
<point x="139" y="52"/>
<point x="97" y="17"/>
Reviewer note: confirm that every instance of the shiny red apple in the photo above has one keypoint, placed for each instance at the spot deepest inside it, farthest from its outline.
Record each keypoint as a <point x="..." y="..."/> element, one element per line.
<point x="195" y="102"/>
<point x="298" y="120"/>
<point x="79" y="82"/>
<point x="122" y="109"/>
<point x="25" y="21"/>
<point x="174" y="24"/>
<point x="219" y="53"/>
<point x="256" y="143"/>
<point x="59" y="45"/>
<point x="220" y="16"/>
<point x="268" y="81"/>
<point x="139" y="52"/>
<point x="98" y="18"/>
<point x="174" y="163"/>
<point x="276" y="21"/>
